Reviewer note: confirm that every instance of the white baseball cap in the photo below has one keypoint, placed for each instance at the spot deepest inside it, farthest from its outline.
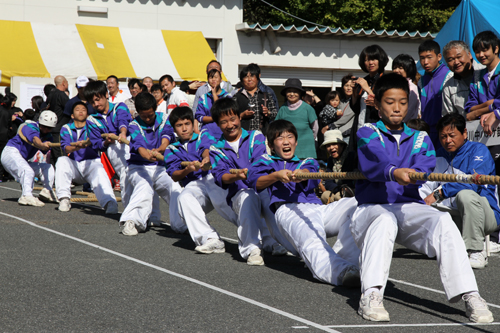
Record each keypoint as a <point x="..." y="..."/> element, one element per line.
<point x="81" y="82"/>
<point x="333" y="136"/>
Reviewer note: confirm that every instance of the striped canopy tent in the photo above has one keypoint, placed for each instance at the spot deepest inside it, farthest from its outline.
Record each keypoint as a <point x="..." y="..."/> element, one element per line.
<point x="46" y="50"/>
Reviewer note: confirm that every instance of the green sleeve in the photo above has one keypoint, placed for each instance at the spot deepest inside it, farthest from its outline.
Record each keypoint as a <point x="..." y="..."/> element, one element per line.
<point x="311" y="114"/>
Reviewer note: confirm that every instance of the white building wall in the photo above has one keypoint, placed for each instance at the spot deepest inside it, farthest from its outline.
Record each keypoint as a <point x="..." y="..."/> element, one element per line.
<point x="312" y="57"/>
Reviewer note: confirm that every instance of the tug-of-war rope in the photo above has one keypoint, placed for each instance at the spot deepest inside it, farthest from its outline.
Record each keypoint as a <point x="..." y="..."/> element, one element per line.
<point x="356" y="175"/>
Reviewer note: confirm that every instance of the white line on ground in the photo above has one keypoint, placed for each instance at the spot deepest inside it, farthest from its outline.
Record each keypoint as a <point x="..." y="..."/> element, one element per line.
<point x="390" y="279"/>
<point x="187" y="278"/>
<point x="413" y="325"/>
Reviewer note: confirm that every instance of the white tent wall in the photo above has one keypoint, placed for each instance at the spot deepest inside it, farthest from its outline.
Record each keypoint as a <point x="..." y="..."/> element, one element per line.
<point x="216" y="19"/>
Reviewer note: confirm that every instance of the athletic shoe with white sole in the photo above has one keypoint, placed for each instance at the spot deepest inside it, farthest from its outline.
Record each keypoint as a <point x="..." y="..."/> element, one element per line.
<point x="350" y="277"/>
<point x="279" y="250"/>
<point x="476" y="309"/>
<point x="64" y="205"/>
<point x="213" y="245"/>
<point x="129" y="229"/>
<point x="478" y="259"/>
<point x="47" y="196"/>
<point x="255" y="258"/>
<point x="494" y="247"/>
<point x="30" y="201"/>
<point x="111" y="208"/>
<point x="371" y="307"/>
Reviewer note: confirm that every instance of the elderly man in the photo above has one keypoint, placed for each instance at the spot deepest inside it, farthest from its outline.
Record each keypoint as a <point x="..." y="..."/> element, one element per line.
<point x="456" y="90"/>
<point x="56" y="101"/>
<point x="474" y="207"/>
<point x="116" y="95"/>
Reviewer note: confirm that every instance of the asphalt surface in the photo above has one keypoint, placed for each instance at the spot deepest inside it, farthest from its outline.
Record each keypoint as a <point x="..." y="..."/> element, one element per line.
<point x="75" y="272"/>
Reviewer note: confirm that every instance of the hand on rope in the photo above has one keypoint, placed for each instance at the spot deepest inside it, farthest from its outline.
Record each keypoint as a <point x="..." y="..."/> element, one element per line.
<point x="413" y="176"/>
<point x="197" y="165"/>
<point x="111" y="136"/>
<point x="48" y="144"/>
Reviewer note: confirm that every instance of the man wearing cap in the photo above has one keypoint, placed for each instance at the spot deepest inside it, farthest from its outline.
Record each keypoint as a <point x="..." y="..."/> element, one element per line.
<point x="335" y="146"/>
<point x="81" y="83"/>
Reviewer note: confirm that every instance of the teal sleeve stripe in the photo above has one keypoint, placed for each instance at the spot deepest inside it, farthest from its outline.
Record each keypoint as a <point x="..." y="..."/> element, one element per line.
<point x="364" y="141"/>
<point x="430" y="153"/>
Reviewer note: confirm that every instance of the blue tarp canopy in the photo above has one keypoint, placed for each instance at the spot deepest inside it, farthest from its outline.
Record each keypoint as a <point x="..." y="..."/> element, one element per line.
<point x="470" y="18"/>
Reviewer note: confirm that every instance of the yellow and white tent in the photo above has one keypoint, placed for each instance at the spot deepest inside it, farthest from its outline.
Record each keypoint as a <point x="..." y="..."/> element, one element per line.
<point x="44" y="50"/>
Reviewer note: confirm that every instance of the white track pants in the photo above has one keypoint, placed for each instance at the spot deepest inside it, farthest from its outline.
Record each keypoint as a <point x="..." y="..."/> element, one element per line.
<point x="143" y="181"/>
<point x="420" y="228"/>
<point x="252" y="229"/>
<point x="90" y="171"/>
<point x="118" y="154"/>
<point x="198" y="198"/>
<point x="304" y="225"/>
<point x="25" y="172"/>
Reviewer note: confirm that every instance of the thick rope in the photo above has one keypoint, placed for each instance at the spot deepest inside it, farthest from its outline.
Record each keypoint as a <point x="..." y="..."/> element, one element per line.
<point x="421" y="176"/>
<point x="115" y="137"/>
<point x="88" y="194"/>
<point x="206" y="166"/>
<point x="51" y="144"/>
<point x="90" y="199"/>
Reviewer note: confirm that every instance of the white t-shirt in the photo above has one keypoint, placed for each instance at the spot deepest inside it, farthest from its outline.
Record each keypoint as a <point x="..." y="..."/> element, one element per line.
<point x="235" y="145"/>
<point x="490" y="74"/>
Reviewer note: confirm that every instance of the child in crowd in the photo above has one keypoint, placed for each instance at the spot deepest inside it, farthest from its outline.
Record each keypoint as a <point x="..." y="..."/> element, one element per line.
<point x="200" y="194"/>
<point x="302" y="116"/>
<point x="158" y="95"/>
<point x="110" y="118"/>
<point x="24" y="146"/>
<point x="150" y="133"/>
<point x="206" y="101"/>
<point x="81" y="163"/>
<point x="431" y="85"/>
<point x="238" y="149"/>
<point x="331" y="112"/>
<point x="404" y="65"/>
<point x="419" y="125"/>
<point x="301" y="218"/>
<point x="390" y="208"/>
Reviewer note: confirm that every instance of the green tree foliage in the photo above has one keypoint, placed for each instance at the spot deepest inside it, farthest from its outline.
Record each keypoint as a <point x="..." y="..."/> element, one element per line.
<point x="422" y="15"/>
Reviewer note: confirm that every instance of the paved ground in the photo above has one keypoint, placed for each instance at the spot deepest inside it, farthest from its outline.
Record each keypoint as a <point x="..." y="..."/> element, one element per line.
<point x="75" y="272"/>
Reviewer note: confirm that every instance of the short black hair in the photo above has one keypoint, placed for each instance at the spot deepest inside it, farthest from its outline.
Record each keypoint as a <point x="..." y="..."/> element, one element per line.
<point x="484" y="40"/>
<point x="48" y="88"/>
<point x="133" y="82"/>
<point x="36" y="102"/>
<point x="254" y="68"/>
<point x="419" y="125"/>
<point x="249" y="69"/>
<point x="145" y="101"/>
<point x="454" y="120"/>
<point x="331" y="95"/>
<point x="181" y="113"/>
<point x="155" y="87"/>
<point x="346" y="79"/>
<point x="79" y="103"/>
<point x="166" y="76"/>
<point x="390" y="81"/>
<point x="29" y="114"/>
<point x="184" y="86"/>
<point x="429" y="45"/>
<point x="112" y="77"/>
<point x="406" y="62"/>
<point x="373" y="52"/>
<point x="224" y="107"/>
<point x="95" y="89"/>
<point x="276" y="128"/>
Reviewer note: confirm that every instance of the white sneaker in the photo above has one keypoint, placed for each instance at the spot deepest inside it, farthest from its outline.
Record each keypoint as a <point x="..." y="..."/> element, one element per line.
<point x="476" y="309"/>
<point x="494" y="247"/>
<point x="350" y="277"/>
<point x="213" y="245"/>
<point x="30" y="201"/>
<point x="129" y="229"/>
<point x="371" y="307"/>
<point x="64" y="205"/>
<point x="279" y="250"/>
<point x="478" y="259"/>
<point x="47" y="196"/>
<point x="111" y="208"/>
<point x="255" y="258"/>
